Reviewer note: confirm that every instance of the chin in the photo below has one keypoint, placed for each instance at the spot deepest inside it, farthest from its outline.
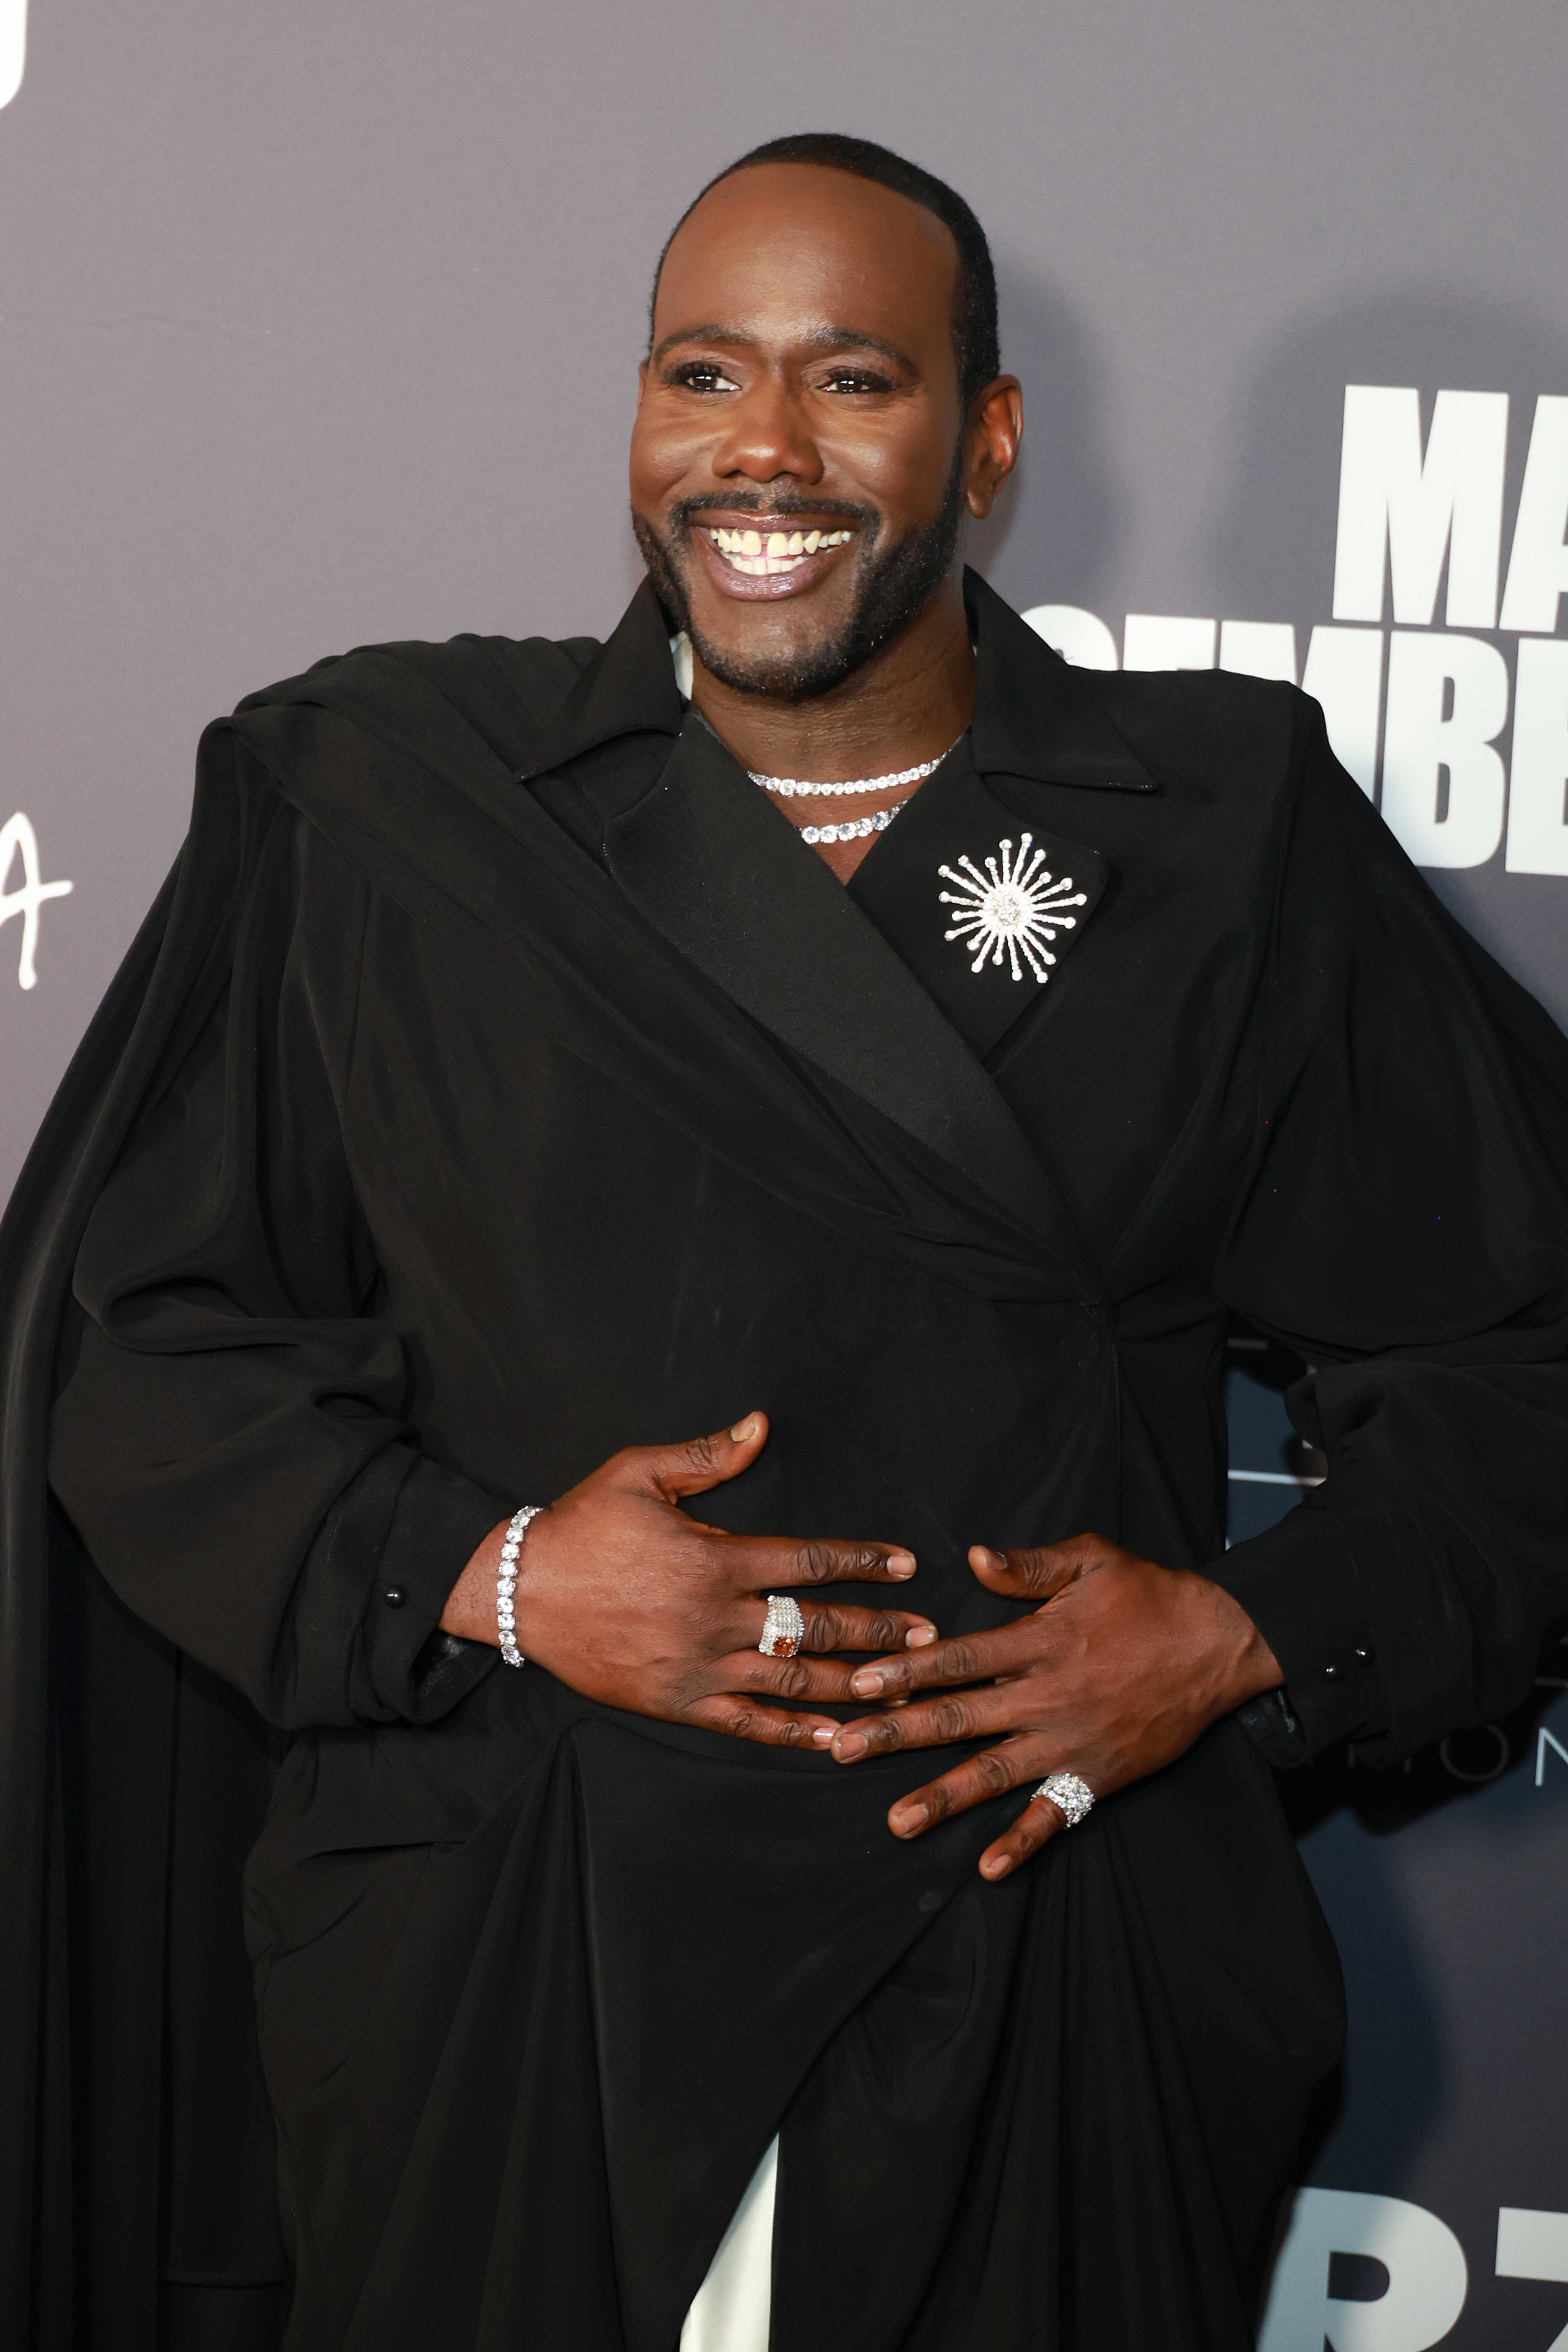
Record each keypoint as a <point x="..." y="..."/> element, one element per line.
<point x="792" y="668"/>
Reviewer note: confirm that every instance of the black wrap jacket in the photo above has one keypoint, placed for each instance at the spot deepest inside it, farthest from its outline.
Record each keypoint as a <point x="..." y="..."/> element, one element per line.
<point x="500" y="1080"/>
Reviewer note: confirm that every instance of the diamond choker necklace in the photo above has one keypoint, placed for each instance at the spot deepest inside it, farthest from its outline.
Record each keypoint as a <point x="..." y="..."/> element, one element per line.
<point x="853" y="828"/>
<point x="785" y="786"/>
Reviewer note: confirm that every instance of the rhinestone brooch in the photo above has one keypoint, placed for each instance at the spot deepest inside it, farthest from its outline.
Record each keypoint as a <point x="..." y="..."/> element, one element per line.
<point x="1012" y="910"/>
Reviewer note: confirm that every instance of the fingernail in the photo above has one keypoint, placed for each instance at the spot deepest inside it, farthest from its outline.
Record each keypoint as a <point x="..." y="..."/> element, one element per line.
<point x="849" y="1744"/>
<point x="908" y="1819"/>
<point x="920" y="1637"/>
<point x="823" y="1736"/>
<point x="901" y="1563"/>
<point x="995" y="1866"/>
<point x="866" y="1682"/>
<point x="743" y="1430"/>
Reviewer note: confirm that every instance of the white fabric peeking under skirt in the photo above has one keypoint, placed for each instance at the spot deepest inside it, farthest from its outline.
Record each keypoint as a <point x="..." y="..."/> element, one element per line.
<point x="733" y="2307"/>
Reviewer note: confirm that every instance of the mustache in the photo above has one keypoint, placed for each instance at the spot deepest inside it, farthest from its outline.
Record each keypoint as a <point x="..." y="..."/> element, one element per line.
<point x="789" y="507"/>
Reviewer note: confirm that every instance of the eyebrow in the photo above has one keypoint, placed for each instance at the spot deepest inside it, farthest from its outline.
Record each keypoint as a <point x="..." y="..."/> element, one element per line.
<point x="819" y="339"/>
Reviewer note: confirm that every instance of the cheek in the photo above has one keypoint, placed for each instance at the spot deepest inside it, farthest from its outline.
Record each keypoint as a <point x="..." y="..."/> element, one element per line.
<point x="663" y="456"/>
<point x="903" y="469"/>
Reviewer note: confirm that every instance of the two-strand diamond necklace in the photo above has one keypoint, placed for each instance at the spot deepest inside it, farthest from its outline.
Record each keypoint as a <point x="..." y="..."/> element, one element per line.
<point x="852" y="828"/>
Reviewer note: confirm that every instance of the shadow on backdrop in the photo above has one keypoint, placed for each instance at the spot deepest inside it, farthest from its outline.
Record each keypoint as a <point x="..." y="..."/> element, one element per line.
<point x="1059" y="526"/>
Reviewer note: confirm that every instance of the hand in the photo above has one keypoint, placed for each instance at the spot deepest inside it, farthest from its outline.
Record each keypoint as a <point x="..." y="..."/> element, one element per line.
<point x="625" y="1598"/>
<point x="1113" y="1676"/>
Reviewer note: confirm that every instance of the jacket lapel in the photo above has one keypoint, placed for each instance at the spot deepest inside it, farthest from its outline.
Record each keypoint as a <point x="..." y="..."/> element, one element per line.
<point x="714" y="867"/>
<point x="937" y="885"/>
<point x="1035" y="717"/>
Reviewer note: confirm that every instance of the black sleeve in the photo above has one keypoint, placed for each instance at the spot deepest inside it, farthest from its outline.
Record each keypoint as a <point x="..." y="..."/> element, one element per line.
<point x="1405" y="1228"/>
<point x="231" y="1438"/>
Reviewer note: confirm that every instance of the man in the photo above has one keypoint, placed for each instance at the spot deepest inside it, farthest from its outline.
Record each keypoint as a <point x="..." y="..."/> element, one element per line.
<point x="867" y="1917"/>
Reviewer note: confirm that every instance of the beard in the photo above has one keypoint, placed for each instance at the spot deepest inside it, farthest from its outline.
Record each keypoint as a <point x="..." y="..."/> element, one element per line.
<point x="895" y="583"/>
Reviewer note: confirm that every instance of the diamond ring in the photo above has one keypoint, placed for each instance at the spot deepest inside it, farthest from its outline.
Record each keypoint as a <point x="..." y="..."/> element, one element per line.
<point x="784" y="1629"/>
<point x="1073" y="1798"/>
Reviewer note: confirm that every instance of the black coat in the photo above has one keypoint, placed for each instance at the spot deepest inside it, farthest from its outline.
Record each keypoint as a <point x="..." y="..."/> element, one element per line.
<point x="446" y="1132"/>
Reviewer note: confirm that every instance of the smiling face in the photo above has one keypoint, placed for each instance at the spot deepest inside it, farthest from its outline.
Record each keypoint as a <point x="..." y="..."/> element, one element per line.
<point x="799" y="464"/>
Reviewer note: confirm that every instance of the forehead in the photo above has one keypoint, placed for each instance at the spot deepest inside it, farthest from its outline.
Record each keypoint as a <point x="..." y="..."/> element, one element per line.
<point x="784" y="248"/>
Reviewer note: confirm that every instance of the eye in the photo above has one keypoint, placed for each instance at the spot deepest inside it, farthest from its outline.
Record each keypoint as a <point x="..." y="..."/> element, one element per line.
<point x="703" y="375"/>
<point x="856" y="380"/>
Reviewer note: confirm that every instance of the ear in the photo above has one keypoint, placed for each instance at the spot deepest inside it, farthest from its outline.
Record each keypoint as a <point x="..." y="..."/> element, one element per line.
<point x="994" y="431"/>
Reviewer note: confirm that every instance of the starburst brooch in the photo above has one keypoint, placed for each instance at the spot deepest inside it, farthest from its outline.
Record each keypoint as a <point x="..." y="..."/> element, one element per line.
<point x="1014" y="909"/>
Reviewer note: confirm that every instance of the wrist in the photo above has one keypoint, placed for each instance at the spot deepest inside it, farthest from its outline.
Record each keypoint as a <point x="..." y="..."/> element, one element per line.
<point x="1246" y="1666"/>
<point x="474" y="1605"/>
<point x="470" y="1609"/>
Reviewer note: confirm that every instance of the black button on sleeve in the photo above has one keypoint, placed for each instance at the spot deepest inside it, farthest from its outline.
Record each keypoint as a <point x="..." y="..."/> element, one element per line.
<point x="395" y="1596"/>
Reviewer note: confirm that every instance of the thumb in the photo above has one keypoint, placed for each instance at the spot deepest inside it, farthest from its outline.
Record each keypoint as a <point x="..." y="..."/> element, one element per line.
<point x="1037" y="1574"/>
<point x="701" y="1463"/>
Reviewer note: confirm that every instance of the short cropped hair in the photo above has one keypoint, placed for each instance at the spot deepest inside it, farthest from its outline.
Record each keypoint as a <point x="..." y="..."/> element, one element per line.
<point x="975" y="341"/>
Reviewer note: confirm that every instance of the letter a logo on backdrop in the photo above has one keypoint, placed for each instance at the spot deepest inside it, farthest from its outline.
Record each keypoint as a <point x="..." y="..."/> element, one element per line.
<point x="19" y="844"/>
<point x="13" y="48"/>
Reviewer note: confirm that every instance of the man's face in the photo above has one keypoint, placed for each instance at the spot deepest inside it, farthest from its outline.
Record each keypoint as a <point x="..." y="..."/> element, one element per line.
<point x="797" y="459"/>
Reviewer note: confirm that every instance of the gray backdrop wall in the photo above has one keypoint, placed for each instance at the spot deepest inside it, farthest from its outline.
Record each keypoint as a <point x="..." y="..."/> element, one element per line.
<point x="319" y="321"/>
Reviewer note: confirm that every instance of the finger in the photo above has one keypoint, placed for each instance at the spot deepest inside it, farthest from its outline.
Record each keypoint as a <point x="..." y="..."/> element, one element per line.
<point x="833" y="1625"/>
<point x="989" y="1774"/>
<point x="930" y="1723"/>
<point x="967" y="1658"/>
<point x="1037" y="1574"/>
<point x="1039" y="1821"/>
<point x="836" y="1626"/>
<point x="697" y="1464"/>
<point x="801" y="1679"/>
<point x="742" y="1718"/>
<point x="773" y="1563"/>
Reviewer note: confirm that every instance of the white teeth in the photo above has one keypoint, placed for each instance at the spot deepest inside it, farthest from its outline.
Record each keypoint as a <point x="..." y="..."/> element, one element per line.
<point x="760" y="566"/>
<point x="745" y="550"/>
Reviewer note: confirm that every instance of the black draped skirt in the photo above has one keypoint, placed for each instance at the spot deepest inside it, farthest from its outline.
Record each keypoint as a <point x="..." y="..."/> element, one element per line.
<point x="1056" y="2114"/>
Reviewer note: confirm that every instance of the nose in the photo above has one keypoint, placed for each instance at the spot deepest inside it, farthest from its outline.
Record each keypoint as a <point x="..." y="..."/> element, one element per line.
<point x="767" y="435"/>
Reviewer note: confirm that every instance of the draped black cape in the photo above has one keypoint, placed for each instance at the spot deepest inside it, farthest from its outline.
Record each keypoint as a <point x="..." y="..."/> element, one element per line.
<point x="500" y="1080"/>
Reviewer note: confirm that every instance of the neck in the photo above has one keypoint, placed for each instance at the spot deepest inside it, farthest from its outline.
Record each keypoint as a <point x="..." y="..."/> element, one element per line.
<point x="909" y="702"/>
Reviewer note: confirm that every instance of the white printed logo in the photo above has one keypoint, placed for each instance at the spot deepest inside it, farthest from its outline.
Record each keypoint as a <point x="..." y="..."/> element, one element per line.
<point x="1420" y="2280"/>
<point x="13" y="48"/>
<point x="1423" y="2260"/>
<point x="1408" y="513"/>
<point x="18" y="840"/>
